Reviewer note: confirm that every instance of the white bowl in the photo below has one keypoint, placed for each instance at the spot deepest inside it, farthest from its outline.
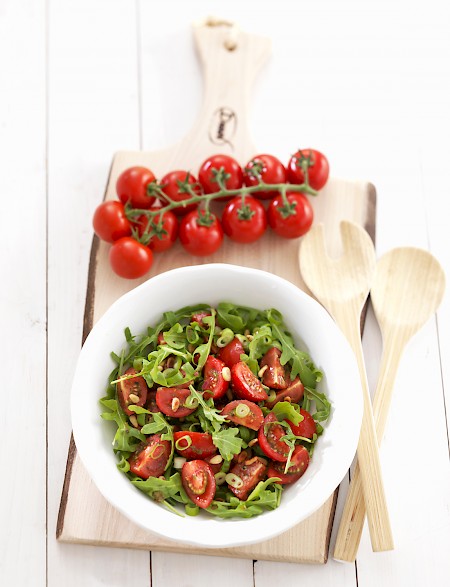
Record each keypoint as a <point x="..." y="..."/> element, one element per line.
<point x="312" y="328"/>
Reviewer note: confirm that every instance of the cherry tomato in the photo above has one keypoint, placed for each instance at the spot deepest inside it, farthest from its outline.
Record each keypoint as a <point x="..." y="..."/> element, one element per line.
<point x="150" y="458"/>
<point x="159" y="241"/>
<point x="135" y="386"/>
<point x="198" y="317"/>
<point x="245" y="384"/>
<point x="234" y="176"/>
<point x="132" y="186"/>
<point x="294" y="391"/>
<point x="244" y="413"/>
<point x="274" y="375"/>
<point x="298" y="465"/>
<point x="269" y="438"/>
<point x="170" y="401"/>
<point x="197" y="239"/>
<point x="110" y="222"/>
<point x="170" y="185"/>
<point x="244" y="223"/>
<point x="129" y="258"/>
<point x="299" y="220"/>
<point x="266" y="168"/>
<point x="250" y="472"/>
<point x="306" y="428"/>
<point x="317" y="164"/>
<point x="198" y="482"/>
<point x="231" y="353"/>
<point x="194" y="445"/>
<point x="213" y="378"/>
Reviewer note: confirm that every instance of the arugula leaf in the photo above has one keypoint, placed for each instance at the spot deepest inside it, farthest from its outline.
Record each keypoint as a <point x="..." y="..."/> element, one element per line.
<point x="287" y="411"/>
<point x="204" y="350"/>
<point x="265" y="496"/>
<point x="323" y="405"/>
<point x="126" y="438"/>
<point x="175" y="337"/>
<point x="162" y="489"/>
<point x="210" y="413"/>
<point x="228" y="442"/>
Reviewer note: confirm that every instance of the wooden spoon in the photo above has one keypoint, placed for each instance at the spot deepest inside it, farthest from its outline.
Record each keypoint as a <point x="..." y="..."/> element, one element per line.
<point x="342" y="286"/>
<point x="408" y="287"/>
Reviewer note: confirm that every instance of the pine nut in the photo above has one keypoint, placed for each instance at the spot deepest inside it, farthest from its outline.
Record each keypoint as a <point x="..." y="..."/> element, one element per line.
<point x="253" y="442"/>
<point x="226" y="374"/>
<point x="134" y="398"/>
<point x="251" y="461"/>
<point x="216" y="460"/>
<point x="134" y="421"/>
<point x="262" y="370"/>
<point x="175" y="404"/>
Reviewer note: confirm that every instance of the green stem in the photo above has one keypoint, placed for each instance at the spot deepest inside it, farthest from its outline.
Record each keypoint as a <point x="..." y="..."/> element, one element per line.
<point x="243" y="191"/>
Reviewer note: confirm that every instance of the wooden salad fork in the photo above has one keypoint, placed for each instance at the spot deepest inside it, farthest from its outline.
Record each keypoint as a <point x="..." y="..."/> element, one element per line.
<point x="342" y="286"/>
<point x="407" y="289"/>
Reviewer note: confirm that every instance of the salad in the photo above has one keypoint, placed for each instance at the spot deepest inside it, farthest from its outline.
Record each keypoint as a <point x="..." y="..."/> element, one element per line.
<point x="215" y="410"/>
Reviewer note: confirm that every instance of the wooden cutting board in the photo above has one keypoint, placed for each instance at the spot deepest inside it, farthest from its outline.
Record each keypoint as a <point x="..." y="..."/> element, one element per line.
<point x="85" y="517"/>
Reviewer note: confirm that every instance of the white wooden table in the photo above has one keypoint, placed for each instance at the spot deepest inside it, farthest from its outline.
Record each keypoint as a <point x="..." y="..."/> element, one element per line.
<point x="366" y="83"/>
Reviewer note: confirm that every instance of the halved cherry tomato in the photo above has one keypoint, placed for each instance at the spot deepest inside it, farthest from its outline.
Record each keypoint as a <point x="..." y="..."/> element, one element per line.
<point x="274" y="376"/>
<point x="253" y="418"/>
<point x="306" y="428"/>
<point x="135" y="386"/>
<point x="294" y="391"/>
<point x="170" y="401"/>
<point x="198" y="482"/>
<point x="250" y="472"/>
<point x="231" y="353"/>
<point x="170" y="185"/>
<point x="298" y="465"/>
<point x="194" y="445"/>
<point x="269" y="438"/>
<point x="266" y="168"/>
<point x="198" y="317"/>
<point x="150" y="458"/>
<point x="245" y="384"/>
<point x="132" y="186"/>
<point x="110" y="221"/>
<point x="317" y="164"/>
<point x="213" y="378"/>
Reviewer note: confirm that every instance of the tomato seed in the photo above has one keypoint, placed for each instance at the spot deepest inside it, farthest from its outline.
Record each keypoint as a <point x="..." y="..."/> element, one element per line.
<point x="197" y="482"/>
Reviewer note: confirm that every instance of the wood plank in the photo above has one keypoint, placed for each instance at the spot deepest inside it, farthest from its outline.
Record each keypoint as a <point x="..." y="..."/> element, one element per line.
<point x="23" y="295"/>
<point x="93" y="110"/>
<point x="85" y="517"/>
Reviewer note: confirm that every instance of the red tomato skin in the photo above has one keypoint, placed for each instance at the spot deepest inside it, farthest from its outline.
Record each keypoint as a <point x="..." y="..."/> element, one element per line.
<point x="231" y="353"/>
<point x="131" y="186"/>
<point x="294" y="391"/>
<point x="253" y="420"/>
<point x="129" y="258"/>
<point x="295" y="225"/>
<point x="202" y="446"/>
<point x="306" y="428"/>
<point x="251" y="472"/>
<point x="143" y="464"/>
<point x="164" y="397"/>
<point x="231" y="166"/>
<point x="198" y="317"/>
<point x="213" y="378"/>
<point x="273" y="171"/>
<point x="188" y="470"/>
<point x="110" y="222"/>
<point x="246" y="230"/>
<point x="298" y="466"/>
<point x="274" y="376"/>
<point x="245" y="384"/>
<point x="167" y="240"/>
<point x="270" y="442"/>
<point x="137" y="385"/>
<point x="199" y="240"/>
<point x="169" y="185"/>
<point x="318" y="172"/>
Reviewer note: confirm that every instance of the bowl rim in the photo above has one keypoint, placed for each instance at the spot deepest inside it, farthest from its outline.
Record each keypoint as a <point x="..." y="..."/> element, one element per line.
<point x="249" y="530"/>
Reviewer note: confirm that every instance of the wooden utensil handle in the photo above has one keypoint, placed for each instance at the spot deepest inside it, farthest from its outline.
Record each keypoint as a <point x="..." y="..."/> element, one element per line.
<point x="229" y="71"/>
<point x="352" y="520"/>
<point x="368" y="456"/>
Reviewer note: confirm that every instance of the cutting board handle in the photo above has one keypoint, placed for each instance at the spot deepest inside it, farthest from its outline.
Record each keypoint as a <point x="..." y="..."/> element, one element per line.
<point x="231" y="60"/>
